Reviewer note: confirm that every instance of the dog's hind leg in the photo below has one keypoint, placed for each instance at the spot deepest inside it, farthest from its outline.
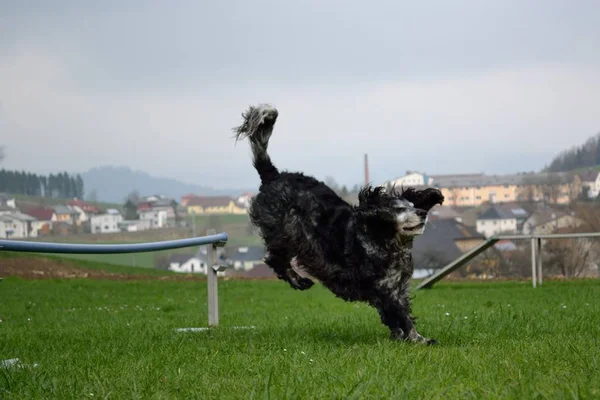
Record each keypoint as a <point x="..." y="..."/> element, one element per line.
<point x="279" y="261"/>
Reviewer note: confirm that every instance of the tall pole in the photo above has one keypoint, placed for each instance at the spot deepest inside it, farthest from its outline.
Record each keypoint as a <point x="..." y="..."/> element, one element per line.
<point x="366" y="169"/>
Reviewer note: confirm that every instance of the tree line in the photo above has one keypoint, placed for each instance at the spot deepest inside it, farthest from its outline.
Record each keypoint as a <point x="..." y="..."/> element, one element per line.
<point x="584" y="156"/>
<point x="61" y="185"/>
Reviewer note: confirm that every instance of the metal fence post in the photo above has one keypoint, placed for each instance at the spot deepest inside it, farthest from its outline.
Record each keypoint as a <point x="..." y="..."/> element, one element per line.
<point x="533" y="260"/>
<point x="539" y="260"/>
<point x="211" y="281"/>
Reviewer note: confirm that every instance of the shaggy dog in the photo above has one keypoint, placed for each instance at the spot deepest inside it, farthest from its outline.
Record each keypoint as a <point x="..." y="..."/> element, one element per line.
<point x="360" y="253"/>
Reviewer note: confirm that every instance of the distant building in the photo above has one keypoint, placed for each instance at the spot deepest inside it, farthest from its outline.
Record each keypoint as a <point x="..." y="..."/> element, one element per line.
<point x="548" y="220"/>
<point x="7" y="201"/>
<point x="63" y="213"/>
<point x="590" y="179"/>
<point x="195" y="263"/>
<point x="245" y="258"/>
<point x="244" y="200"/>
<point x="108" y="222"/>
<point x="43" y="220"/>
<point x="84" y="210"/>
<point x="214" y="205"/>
<point x="156" y="218"/>
<point x="411" y="179"/>
<point x="135" y="225"/>
<point x="499" y="219"/>
<point x="470" y="190"/>
<point x="16" y="225"/>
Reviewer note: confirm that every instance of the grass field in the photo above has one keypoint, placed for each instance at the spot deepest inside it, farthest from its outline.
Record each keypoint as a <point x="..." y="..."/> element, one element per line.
<point x="116" y="339"/>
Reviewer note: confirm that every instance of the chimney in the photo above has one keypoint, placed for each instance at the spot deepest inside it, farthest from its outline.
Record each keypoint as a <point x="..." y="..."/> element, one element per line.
<point x="366" y="170"/>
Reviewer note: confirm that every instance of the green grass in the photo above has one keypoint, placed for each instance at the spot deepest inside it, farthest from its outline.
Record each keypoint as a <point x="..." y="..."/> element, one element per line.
<point x="107" y="339"/>
<point x="52" y="201"/>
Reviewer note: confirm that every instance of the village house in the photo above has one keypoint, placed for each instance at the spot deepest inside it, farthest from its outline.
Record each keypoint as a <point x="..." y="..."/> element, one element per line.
<point x="7" y="201"/>
<point x="16" y="225"/>
<point x="195" y="263"/>
<point x="214" y="205"/>
<point x="444" y="212"/>
<point x="244" y="200"/>
<point x="501" y="219"/>
<point x="156" y="218"/>
<point x="63" y="213"/>
<point x="107" y="222"/>
<point x="590" y="180"/>
<point x="84" y="210"/>
<point x="546" y="221"/>
<point x="135" y="225"/>
<point x="410" y="179"/>
<point x="470" y="190"/>
<point x="43" y="220"/>
<point x="246" y="258"/>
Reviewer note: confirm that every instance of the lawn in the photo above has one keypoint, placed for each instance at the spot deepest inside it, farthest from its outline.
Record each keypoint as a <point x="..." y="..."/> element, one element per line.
<point x="117" y="339"/>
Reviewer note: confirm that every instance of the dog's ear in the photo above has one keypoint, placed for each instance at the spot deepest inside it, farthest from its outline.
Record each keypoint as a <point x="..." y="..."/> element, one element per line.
<point x="423" y="199"/>
<point x="370" y="196"/>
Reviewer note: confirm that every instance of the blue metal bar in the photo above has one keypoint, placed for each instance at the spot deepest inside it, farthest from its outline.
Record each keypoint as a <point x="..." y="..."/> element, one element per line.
<point x="70" y="248"/>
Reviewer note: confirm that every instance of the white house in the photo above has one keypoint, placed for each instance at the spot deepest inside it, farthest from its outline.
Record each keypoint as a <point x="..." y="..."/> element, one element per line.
<point x="548" y="221"/>
<point x="16" y="225"/>
<point x="245" y="258"/>
<point x="8" y="201"/>
<point x="496" y="220"/>
<point x="84" y="210"/>
<point x="135" y="225"/>
<point x="193" y="264"/>
<point x="590" y="179"/>
<point x="157" y="218"/>
<point x="411" y="178"/>
<point x="106" y="223"/>
<point x="244" y="199"/>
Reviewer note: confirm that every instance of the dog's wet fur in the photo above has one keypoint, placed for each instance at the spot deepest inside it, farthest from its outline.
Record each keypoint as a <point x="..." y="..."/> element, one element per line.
<point x="360" y="253"/>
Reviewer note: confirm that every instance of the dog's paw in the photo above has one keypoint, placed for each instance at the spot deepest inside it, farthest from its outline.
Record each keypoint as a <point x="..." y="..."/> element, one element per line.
<point x="301" y="283"/>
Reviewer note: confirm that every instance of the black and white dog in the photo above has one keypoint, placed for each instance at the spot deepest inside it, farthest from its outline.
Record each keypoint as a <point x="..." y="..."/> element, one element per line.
<point x="360" y="253"/>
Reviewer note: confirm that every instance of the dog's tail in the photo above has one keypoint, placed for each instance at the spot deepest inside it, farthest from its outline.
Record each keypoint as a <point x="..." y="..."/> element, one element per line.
<point x="258" y="126"/>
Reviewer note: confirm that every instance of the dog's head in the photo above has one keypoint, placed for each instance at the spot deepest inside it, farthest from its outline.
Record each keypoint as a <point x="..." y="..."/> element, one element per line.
<point x="410" y="220"/>
<point x="391" y="213"/>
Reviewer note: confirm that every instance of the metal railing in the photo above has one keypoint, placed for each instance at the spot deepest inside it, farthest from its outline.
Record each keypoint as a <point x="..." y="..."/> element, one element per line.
<point x="213" y="239"/>
<point x="536" y="258"/>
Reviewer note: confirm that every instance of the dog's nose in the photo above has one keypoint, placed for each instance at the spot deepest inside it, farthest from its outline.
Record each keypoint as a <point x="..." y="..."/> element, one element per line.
<point x="421" y="213"/>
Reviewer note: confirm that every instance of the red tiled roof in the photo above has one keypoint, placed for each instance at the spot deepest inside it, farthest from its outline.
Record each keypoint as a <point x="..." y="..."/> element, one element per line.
<point x="40" y="213"/>
<point x="143" y="206"/>
<point x="213" y="201"/>
<point x="84" y="206"/>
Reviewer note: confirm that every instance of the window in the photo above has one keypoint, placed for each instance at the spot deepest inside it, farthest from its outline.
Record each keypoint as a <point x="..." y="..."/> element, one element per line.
<point x="478" y="197"/>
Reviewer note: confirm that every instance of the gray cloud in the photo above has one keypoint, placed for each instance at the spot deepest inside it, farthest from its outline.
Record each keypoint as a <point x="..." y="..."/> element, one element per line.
<point x="444" y="87"/>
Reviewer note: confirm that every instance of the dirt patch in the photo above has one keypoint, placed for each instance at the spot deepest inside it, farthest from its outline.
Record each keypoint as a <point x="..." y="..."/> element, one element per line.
<point x="44" y="268"/>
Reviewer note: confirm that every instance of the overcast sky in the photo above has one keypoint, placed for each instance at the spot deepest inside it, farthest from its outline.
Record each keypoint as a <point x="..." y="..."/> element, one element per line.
<point x="439" y="86"/>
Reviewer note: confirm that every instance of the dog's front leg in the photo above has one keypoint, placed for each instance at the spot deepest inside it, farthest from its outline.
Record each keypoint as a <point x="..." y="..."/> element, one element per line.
<point x="396" y="317"/>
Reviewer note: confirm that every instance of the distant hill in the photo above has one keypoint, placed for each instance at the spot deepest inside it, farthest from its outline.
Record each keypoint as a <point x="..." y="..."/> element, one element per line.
<point x="113" y="184"/>
<point x="586" y="155"/>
